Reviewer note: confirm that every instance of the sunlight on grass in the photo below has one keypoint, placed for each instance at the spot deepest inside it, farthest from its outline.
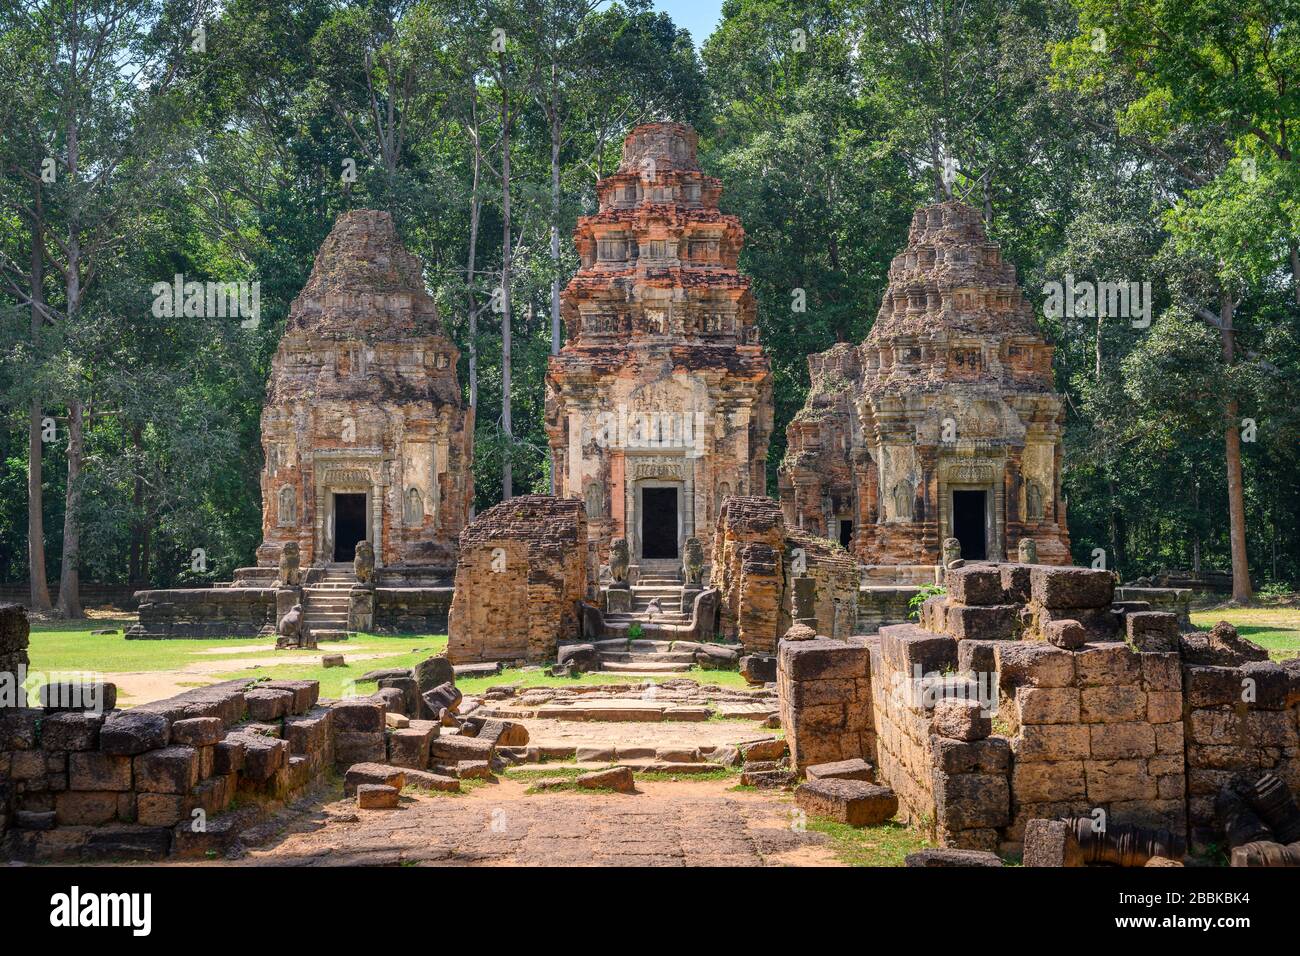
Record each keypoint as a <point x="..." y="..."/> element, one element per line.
<point x="884" y="845"/>
<point x="1276" y="629"/>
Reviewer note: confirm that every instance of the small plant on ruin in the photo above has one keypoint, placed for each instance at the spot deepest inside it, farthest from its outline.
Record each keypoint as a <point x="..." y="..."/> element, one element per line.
<point x="635" y="631"/>
<point x="926" y="591"/>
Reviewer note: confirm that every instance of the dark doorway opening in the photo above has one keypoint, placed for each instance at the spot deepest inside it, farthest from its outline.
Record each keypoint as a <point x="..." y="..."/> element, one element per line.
<point x="968" y="524"/>
<point x="349" y="525"/>
<point x="658" y="523"/>
<point x="846" y="532"/>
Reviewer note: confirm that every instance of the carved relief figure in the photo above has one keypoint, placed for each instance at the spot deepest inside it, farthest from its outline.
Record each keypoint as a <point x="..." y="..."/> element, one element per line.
<point x="1033" y="501"/>
<point x="595" y="501"/>
<point x="287" y="508"/>
<point x="902" y="495"/>
<point x="413" y="515"/>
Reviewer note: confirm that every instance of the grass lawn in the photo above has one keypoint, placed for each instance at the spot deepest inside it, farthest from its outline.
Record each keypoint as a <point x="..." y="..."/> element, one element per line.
<point x="885" y="845"/>
<point x="69" y="648"/>
<point x="1276" y="629"/>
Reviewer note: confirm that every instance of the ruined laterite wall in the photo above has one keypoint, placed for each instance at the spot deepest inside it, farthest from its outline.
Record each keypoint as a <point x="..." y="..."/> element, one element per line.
<point x="1242" y="716"/>
<point x="107" y="784"/>
<point x="204" y="612"/>
<point x="412" y="610"/>
<point x="523" y="567"/>
<point x="825" y="689"/>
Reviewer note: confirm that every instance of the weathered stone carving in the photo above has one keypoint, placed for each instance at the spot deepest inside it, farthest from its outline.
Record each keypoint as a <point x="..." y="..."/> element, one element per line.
<point x="693" y="561"/>
<point x="618" y="561"/>
<point x="1026" y="551"/>
<point x="951" y="551"/>
<point x="363" y="565"/>
<point x="290" y="575"/>
<point x="946" y="411"/>
<point x="292" y="631"/>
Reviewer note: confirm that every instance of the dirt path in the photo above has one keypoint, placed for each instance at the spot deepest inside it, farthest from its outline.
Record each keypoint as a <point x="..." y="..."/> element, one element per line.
<point x="690" y="823"/>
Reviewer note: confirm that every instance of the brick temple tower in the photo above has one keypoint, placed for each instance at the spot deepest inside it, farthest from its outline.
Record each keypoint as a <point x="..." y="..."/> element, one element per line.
<point x="944" y="422"/>
<point x="364" y="430"/>
<point x="660" y="403"/>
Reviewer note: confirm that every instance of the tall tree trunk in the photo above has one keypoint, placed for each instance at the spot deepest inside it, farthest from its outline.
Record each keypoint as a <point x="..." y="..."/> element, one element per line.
<point x="69" y="581"/>
<point x="1241" y="589"/>
<point x="507" y="463"/>
<point x="1294" y="249"/>
<point x="40" y="588"/>
<point x="555" y="234"/>
<point x="135" y="564"/>
<point x="475" y="208"/>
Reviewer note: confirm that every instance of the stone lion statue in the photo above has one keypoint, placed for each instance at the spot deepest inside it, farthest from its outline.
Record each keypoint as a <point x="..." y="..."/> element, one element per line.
<point x="1027" y="551"/>
<point x="290" y="572"/>
<point x="291" y="630"/>
<point x="618" y="560"/>
<point x="693" y="561"/>
<point x="363" y="565"/>
<point x="951" y="551"/>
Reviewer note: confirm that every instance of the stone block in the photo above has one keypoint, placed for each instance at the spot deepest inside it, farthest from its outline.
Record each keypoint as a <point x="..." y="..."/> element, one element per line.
<point x="1118" y="741"/>
<point x="1266" y="685"/>
<point x="309" y="734"/>
<point x="227" y="757"/>
<point x="1111" y="704"/>
<point x="822" y="659"/>
<point x="1162" y="671"/>
<point x="359" y="747"/>
<point x="160" y="809"/>
<point x="1033" y="663"/>
<point x="450" y="749"/>
<point x="409" y="748"/>
<point x="376" y="796"/>
<point x="854" y="802"/>
<point x="914" y="652"/>
<point x="991" y="755"/>
<point x="961" y="719"/>
<point x="305" y="693"/>
<point x="1152" y="631"/>
<point x="264" y="757"/>
<point x="943" y="857"/>
<point x="372" y="773"/>
<point x="1051" y="843"/>
<point x="267" y="705"/>
<point x="98" y="771"/>
<point x="71" y="730"/>
<point x="772" y="749"/>
<point x="854" y="769"/>
<point x="1164" y="706"/>
<point x="1067" y="634"/>
<point x="1016" y="582"/>
<point x="197" y="732"/>
<point x="618" y="779"/>
<point x="976" y="657"/>
<point x="167" y="770"/>
<point x="1114" y="780"/>
<point x="965" y="801"/>
<point x="1048" y="705"/>
<point x="424" y="780"/>
<point x="1000" y="622"/>
<point x="131" y="732"/>
<point x="1043" y="782"/>
<point x="1066" y="587"/>
<point x="1052" y="742"/>
<point x="358" y="715"/>
<point x="974" y="584"/>
<point x="1107" y="662"/>
<point x="82" y="808"/>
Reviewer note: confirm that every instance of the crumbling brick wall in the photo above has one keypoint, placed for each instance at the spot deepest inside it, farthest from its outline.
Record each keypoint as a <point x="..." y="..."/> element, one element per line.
<point x="521" y="571"/>
<point x="1242" y="717"/>
<point x="142" y="783"/>
<point x="825" y="691"/>
<point x="753" y="565"/>
<point x="1028" y="692"/>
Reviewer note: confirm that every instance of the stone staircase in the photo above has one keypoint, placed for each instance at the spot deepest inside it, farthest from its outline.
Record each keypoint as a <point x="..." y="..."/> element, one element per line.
<point x="326" y="603"/>
<point x="620" y="653"/>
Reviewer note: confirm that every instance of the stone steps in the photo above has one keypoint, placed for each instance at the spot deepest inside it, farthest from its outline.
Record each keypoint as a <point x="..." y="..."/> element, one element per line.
<point x="643" y="667"/>
<point x="629" y="657"/>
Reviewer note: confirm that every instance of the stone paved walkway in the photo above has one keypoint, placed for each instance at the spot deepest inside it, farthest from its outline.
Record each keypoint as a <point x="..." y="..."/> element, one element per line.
<point x="688" y="823"/>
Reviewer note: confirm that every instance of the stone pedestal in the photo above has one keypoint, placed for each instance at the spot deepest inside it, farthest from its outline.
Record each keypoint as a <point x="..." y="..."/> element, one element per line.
<point x="688" y="597"/>
<point x="618" y="600"/>
<point x="361" y="609"/>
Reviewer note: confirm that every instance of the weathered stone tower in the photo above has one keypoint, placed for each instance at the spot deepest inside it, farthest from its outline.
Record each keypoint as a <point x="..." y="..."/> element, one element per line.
<point x="659" y="405"/>
<point x="943" y="423"/>
<point x="364" y="431"/>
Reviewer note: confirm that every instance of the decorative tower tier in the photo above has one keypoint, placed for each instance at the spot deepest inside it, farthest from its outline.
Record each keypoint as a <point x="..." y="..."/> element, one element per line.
<point x="660" y="403"/>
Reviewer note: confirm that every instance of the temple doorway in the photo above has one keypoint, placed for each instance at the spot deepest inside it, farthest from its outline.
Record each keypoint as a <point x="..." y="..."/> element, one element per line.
<point x="969" y="523"/>
<point x="349" y="525"/>
<point x="659" y="523"/>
